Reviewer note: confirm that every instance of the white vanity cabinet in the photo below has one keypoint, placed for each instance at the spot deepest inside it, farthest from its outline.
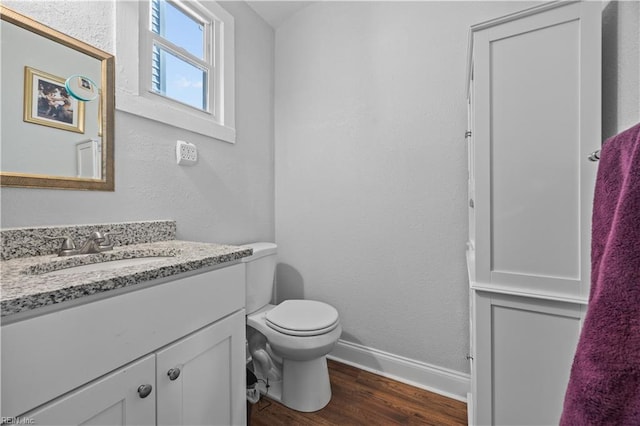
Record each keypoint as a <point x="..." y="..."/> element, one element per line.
<point x="534" y="117"/>
<point x="96" y="363"/>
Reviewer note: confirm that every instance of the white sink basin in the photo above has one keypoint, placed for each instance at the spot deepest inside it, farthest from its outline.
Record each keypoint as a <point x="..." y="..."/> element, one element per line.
<point x="108" y="265"/>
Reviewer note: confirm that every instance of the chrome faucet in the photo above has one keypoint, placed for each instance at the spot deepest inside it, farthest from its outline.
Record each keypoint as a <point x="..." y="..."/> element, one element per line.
<point x="96" y="243"/>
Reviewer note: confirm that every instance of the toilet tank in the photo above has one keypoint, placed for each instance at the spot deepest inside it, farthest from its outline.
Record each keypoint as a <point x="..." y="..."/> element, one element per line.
<point x="260" y="275"/>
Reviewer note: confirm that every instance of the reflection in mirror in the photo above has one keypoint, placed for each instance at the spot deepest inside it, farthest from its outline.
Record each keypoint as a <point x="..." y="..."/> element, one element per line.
<point x="57" y="108"/>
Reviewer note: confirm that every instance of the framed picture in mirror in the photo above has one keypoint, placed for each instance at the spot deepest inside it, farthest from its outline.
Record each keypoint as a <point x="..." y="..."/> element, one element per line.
<point x="47" y="102"/>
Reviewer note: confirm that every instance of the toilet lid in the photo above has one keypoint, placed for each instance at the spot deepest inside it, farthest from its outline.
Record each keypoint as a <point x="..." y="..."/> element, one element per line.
<point x="303" y="317"/>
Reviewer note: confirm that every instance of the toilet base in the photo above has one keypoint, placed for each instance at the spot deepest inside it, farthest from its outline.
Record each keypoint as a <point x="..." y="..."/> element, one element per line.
<point x="304" y="387"/>
<point x="305" y="384"/>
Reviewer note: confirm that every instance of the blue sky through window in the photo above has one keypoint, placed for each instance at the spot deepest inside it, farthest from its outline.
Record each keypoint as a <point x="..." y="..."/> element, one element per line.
<point x="183" y="31"/>
<point x="181" y="80"/>
<point x="184" y="82"/>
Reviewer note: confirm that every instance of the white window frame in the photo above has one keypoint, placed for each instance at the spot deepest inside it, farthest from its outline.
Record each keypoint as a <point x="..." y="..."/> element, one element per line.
<point x="207" y="62"/>
<point x="133" y="64"/>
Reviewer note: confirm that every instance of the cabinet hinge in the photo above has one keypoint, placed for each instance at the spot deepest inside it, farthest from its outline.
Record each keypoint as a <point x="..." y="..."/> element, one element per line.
<point x="467" y="134"/>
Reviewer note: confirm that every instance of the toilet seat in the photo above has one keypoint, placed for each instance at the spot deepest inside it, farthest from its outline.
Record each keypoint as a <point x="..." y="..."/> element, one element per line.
<point x="302" y="318"/>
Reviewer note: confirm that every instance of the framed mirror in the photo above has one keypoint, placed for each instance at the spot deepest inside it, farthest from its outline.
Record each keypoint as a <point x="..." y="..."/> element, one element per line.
<point x="57" y="108"/>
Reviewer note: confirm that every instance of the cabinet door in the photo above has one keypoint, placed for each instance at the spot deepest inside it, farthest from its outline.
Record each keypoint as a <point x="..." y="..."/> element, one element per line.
<point x="525" y="348"/>
<point x="537" y="118"/>
<point x="208" y="372"/>
<point x="112" y="400"/>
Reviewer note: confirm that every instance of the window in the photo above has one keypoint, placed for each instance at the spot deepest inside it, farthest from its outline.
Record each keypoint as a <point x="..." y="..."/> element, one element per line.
<point x="180" y="59"/>
<point x="181" y="71"/>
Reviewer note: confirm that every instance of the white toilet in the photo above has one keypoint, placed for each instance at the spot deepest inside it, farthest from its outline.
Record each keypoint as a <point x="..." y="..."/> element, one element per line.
<point x="288" y="342"/>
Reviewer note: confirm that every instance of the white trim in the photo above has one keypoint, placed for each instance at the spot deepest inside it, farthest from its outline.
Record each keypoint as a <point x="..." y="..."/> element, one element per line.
<point x="524" y="292"/>
<point x="134" y="98"/>
<point x="450" y="383"/>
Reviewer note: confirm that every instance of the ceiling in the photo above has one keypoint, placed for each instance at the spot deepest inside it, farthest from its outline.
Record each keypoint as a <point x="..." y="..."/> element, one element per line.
<point x="276" y="12"/>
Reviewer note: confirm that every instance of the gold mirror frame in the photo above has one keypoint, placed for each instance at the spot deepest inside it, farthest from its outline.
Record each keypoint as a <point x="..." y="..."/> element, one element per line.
<point x="107" y="107"/>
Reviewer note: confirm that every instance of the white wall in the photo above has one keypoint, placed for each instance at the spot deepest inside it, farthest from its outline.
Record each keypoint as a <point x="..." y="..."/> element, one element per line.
<point x="226" y="197"/>
<point x="620" y="66"/>
<point x="371" y="170"/>
<point x="371" y="163"/>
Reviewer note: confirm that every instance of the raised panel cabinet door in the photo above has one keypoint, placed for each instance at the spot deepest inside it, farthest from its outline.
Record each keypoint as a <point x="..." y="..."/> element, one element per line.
<point x="116" y="399"/>
<point x="201" y="378"/>
<point x="525" y="351"/>
<point x="536" y="119"/>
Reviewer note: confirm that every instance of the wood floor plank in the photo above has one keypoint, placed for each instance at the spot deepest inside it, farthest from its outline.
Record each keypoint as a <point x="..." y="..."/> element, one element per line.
<point x="363" y="398"/>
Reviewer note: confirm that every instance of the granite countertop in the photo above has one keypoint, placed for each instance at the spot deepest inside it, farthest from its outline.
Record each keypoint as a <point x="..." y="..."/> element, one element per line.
<point x="24" y="287"/>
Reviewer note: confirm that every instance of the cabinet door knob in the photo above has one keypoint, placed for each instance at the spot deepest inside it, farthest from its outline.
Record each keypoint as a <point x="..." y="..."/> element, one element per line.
<point x="144" y="390"/>
<point x="173" y="373"/>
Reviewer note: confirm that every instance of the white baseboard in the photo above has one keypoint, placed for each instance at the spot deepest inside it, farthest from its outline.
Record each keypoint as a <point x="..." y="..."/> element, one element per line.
<point x="443" y="381"/>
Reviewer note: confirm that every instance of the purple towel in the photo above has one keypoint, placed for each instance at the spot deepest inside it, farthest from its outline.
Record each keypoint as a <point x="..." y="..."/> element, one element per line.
<point x="604" y="387"/>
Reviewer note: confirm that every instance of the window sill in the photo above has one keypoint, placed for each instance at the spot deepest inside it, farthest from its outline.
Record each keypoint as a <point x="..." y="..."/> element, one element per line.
<point x="176" y="116"/>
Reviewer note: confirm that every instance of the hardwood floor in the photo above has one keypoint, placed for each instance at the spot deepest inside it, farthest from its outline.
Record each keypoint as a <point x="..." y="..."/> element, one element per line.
<point x="363" y="398"/>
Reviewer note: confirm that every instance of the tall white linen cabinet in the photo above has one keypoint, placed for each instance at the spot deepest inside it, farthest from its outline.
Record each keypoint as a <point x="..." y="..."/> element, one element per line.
<point x="534" y="97"/>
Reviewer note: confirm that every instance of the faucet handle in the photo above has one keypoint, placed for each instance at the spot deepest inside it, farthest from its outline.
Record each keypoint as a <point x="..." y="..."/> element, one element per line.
<point x="96" y="236"/>
<point x="68" y="246"/>
<point x="107" y="240"/>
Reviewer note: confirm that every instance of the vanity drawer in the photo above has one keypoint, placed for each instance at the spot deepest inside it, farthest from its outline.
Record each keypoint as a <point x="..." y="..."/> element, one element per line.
<point x="46" y="356"/>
